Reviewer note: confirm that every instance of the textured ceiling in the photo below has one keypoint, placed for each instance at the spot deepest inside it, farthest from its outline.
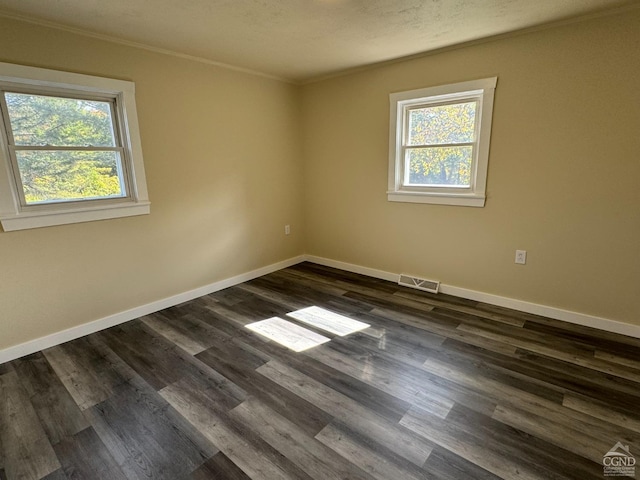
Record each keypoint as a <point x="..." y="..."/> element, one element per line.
<point x="302" y="39"/>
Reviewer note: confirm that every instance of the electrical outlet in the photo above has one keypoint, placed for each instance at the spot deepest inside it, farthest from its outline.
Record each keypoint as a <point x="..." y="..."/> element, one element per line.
<point x="521" y="257"/>
<point x="287" y="229"/>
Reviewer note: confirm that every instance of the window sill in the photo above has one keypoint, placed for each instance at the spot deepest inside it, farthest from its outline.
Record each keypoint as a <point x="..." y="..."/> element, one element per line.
<point x="27" y="220"/>
<point x="466" y="200"/>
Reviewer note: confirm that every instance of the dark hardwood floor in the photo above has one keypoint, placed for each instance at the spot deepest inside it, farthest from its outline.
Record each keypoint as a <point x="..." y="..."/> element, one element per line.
<point x="436" y="388"/>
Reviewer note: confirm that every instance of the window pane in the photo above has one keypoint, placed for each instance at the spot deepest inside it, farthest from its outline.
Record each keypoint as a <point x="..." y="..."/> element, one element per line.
<point x="442" y="124"/>
<point x="63" y="122"/>
<point x="439" y="166"/>
<point x="69" y="175"/>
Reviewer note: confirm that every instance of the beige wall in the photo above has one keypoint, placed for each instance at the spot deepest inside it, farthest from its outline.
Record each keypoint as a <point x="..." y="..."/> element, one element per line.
<point x="563" y="182"/>
<point x="226" y="170"/>
<point x="221" y="154"/>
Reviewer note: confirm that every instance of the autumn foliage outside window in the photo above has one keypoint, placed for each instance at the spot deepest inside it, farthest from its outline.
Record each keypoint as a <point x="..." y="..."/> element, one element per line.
<point x="439" y="143"/>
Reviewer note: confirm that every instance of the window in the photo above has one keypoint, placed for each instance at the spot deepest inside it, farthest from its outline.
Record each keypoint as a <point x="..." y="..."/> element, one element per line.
<point x="70" y="148"/>
<point x="439" y="143"/>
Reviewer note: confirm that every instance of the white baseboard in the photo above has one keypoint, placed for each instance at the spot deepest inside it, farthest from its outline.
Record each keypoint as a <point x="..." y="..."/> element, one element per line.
<point x="569" y="316"/>
<point x="57" y="338"/>
<point x="350" y="267"/>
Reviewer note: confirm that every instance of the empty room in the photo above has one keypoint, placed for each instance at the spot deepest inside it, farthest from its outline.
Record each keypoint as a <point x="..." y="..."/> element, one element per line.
<point x="319" y="239"/>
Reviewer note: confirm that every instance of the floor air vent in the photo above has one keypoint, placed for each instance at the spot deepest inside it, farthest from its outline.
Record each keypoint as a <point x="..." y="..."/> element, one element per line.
<point x="419" y="283"/>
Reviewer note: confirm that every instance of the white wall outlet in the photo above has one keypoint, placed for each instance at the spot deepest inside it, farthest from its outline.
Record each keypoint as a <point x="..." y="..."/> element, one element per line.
<point x="287" y="229"/>
<point x="521" y="257"/>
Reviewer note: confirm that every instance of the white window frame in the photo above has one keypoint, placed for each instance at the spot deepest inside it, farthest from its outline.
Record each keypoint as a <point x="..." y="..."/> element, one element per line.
<point x="481" y="91"/>
<point x="15" y="214"/>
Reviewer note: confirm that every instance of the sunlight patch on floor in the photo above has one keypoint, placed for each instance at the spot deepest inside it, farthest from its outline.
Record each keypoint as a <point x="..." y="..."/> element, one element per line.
<point x="287" y="334"/>
<point x="327" y="320"/>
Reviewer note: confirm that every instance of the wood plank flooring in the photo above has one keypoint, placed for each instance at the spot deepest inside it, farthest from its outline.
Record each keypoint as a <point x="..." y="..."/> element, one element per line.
<point x="436" y="388"/>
